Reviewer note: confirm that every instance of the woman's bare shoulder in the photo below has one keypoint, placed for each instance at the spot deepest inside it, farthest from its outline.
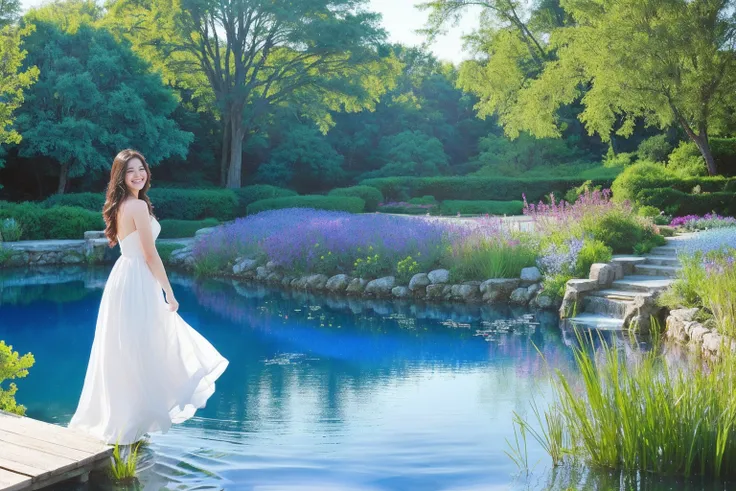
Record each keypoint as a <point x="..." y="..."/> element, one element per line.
<point x="134" y="207"/>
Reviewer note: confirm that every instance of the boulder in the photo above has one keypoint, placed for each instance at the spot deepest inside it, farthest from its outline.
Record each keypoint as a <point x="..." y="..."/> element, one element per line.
<point x="271" y="266"/>
<point x="498" y="289"/>
<point x="435" y="292"/>
<point x="262" y="273"/>
<point x="401" y="292"/>
<point x="530" y="275"/>
<point x="439" y="276"/>
<point x="465" y="293"/>
<point x="534" y="289"/>
<point x="581" y="286"/>
<point x="639" y="313"/>
<point x="356" y="286"/>
<point x="618" y="271"/>
<point x="286" y="281"/>
<point x="243" y="265"/>
<point x="520" y="296"/>
<point x="300" y="283"/>
<point x="685" y="315"/>
<point x="603" y="274"/>
<point x="419" y="281"/>
<point x="544" y="302"/>
<point x="571" y="304"/>
<point x="338" y="283"/>
<point x="204" y="231"/>
<point x="273" y="278"/>
<point x="713" y="342"/>
<point x="317" y="281"/>
<point x="698" y="332"/>
<point x="380" y="286"/>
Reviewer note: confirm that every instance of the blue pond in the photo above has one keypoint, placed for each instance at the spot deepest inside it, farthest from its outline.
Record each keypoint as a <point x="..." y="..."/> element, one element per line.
<point x="321" y="393"/>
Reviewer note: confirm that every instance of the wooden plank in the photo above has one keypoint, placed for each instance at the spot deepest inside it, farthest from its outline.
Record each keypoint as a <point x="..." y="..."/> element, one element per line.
<point x="33" y="458"/>
<point x="26" y="470"/>
<point x="50" y="433"/>
<point x="9" y="438"/>
<point x="10" y="481"/>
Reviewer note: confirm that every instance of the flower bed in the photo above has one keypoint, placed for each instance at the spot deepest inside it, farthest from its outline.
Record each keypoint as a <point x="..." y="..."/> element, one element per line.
<point x="693" y="223"/>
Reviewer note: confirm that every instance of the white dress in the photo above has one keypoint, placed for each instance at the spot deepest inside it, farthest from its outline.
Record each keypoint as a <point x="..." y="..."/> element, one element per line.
<point x="148" y="368"/>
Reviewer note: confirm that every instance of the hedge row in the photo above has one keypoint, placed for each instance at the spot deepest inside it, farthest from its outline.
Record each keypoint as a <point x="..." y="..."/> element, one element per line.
<point x="475" y="188"/>
<point x="453" y="207"/>
<point x="369" y="194"/>
<point x="60" y="222"/>
<point x="336" y="203"/>
<point x="675" y="202"/>
<point x="177" y="229"/>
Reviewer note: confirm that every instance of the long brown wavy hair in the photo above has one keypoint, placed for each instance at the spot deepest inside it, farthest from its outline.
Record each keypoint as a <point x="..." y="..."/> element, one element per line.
<point x="117" y="191"/>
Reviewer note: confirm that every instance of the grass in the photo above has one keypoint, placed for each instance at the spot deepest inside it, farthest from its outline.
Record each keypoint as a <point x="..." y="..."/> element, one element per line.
<point x="482" y="259"/>
<point x="165" y="250"/>
<point x="123" y="467"/>
<point x="648" y="416"/>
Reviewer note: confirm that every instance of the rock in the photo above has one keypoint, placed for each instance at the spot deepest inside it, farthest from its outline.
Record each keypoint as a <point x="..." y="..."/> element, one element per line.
<point x="419" y="281"/>
<point x="571" y="303"/>
<point x="300" y="283"/>
<point x="435" y="292"/>
<point x="262" y="273"/>
<point x="439" y="276"/>
<point x="94" y="234"/>
<point x="544" y="302"/>
<point x="356" y="286"/>
<point x="204" y="231"/>
<point x="618" y="271"/>
<point x="271" y="266"/>
<point x="530" y="275"/>
<point x="286" y="281"/>
<point x="401" y="292"/>
<point x="581" y="286"/>
<point x="242" y="266"/>
<point x="520" y="296"/>
<point x="273" y="278"/>
<point x="317" y="281"/>
<point x="498" y="289"/>
<point x="338" y="283"/>
<point x="534" y="289"/>
<point x="465" y="293"/>
<point x="713" y="342"/>
<point x="640" y="312"/>
<point x="685" y="315"/>
<point x="677" y="328"/>
<point x="380" y="286"/>
<point x="698" y="332"/>
<point x="603" y="274"/>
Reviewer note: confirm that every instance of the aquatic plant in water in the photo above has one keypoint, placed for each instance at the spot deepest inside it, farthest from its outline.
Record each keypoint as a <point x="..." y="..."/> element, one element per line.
<point x="124" y="464"/>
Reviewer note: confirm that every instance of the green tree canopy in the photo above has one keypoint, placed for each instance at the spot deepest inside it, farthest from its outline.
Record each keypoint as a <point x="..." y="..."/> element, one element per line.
<point x="411" y="153"/>
<point x="93" y="98"/>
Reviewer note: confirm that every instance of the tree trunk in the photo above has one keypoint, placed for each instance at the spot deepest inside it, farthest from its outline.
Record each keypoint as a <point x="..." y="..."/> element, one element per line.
<point x="225" y="157"/>
<point x="63" y="177"/>
<point x="704" y="146"/>
<point x="236" y="152"/>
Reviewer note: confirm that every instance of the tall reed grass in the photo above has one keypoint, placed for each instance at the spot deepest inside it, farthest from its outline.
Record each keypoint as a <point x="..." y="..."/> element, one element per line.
<point x="649" y="416"/>
<point x="124" y="463"/>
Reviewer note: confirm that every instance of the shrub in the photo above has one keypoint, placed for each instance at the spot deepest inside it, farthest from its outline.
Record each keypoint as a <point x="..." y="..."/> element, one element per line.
<point x="12" y="366"/>
<point x="404" y="208"/>
<point x="10" y="230"/>
<point x="369" y="194"/>
<point x="61" y="222"/>
<point x="592" y="252"/>
<point x="176" y="229"/>
<point x="424" y="200"/>
<point x="349" y="204"/>
<point x="88" y="201"/>
<point x="453" y="207"/>
<point x="675" y="202"/>
<point x="257" y="192"/>
<point x="475" y="188"/>
<point x="495" y="256"/>
<point x="194" y="204"/>
<point x="165" y="250"/>
<point x="687" y="161"/>
<point x="654" y="149"/>
<point x="573" y="194"/>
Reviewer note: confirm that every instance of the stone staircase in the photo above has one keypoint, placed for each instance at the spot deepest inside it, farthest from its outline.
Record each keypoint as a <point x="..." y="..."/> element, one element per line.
<point x="638" y="278"/>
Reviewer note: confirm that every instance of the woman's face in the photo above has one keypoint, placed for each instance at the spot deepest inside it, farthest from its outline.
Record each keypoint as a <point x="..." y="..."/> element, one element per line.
<point x="135" y="176"/>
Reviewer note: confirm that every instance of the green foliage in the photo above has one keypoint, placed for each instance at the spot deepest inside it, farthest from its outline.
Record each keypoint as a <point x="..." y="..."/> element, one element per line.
<point x="686" y="161"/>
<point x="93" y="97"/>
<point x="476" y="188"/>
<point x="176" y="229"/>
<point x="166" y="249"/>
<point x="554" y="285"/>
<point x="62" y="222"/>
<point x="250" y="194"/>
<point x="453" y="207"/>
<point x="349" y="204"/>
<point x="619" y="230"/>
<point x="672" y="420"/>
<point x="654" y="149"/>
<point x="405" y="269"/>
<point x="677" y="203"/>
<point x="10" y="230"/>
<point x="592" y="252"/>
<point x="88" y="201"/>
<point x="369" y="194"/>
<point x="123" y="467"/>
<point x="490" y="258"/>
<point x="12" y="366"/>
<point x="372" y="266"/>
<point x="573" y="194"/>
<point x="411" y="153"/>
<point x="194" y="204"/>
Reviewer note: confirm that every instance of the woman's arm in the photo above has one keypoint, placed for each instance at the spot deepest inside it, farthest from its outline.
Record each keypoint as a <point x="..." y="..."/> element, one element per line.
<point x="139" y="210"/>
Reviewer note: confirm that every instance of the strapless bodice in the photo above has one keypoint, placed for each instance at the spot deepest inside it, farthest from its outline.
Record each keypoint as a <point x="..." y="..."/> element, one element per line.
<point x="131" y="245"/>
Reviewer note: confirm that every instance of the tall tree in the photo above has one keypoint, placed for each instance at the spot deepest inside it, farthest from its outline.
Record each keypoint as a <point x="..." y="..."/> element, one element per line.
<point x="315" y="55"/>
<point x="93" y="97"/>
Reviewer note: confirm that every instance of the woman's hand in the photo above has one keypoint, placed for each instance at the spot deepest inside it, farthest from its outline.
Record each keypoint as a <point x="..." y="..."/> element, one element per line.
<point x="173" y="304"/>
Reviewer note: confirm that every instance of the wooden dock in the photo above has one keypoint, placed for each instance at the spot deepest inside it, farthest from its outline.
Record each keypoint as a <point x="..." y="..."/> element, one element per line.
<point x="34" y="455"/>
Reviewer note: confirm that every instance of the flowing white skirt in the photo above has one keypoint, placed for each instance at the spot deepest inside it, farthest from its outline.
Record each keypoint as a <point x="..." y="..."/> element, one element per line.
<point x="148" y="368"/>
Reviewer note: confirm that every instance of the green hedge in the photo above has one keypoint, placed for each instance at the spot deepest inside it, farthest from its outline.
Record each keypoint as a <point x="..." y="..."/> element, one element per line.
<point x="177" y="229"/>
<point x="475" y="188"/>
<point x="647" y="176"/>
<point x="88" y="201"/>
<point x="250" y="194"/>
<point x="349" y="204"/>
<point x="369" y="194"/>
<point x="675" y="202"/>
<point x="60" y="222"/>
<point x="453" y="207"/>
<point x="194" y="204"/>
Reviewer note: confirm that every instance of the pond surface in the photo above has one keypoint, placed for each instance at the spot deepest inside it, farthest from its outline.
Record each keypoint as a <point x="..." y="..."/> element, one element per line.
<point x="321" y="393"/>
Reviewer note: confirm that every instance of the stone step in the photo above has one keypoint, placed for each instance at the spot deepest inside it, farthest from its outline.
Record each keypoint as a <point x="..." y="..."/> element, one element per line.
<point x="595" y="321"/>
<point x="662" y="260"/>
<point x="656" y="270"/>
<point x="667" y="250"/>
<point x="628" y="262"/>
<point x="94" y="234"/>
<point x="618" y="294"/>
<point x="606" y="306"/>
<point x="642" y="283"/>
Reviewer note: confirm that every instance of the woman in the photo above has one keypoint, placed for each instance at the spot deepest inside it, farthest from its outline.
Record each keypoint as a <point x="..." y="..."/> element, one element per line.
<point x="148" y="368"/>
